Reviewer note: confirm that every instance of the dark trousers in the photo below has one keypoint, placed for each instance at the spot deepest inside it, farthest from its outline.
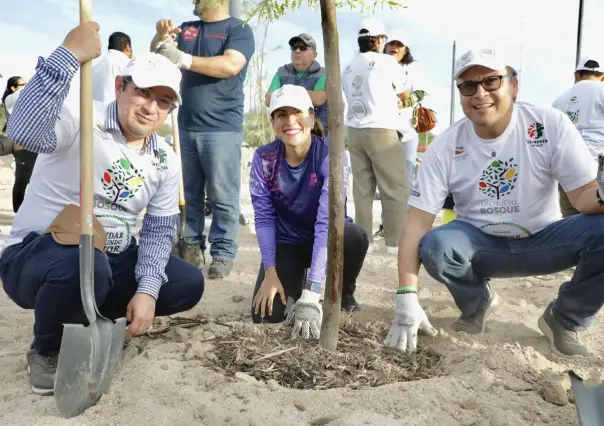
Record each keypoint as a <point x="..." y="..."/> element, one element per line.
<point x="42" y="275"/>
<point x="24" y="166"/>
<point x="292" y="260"/>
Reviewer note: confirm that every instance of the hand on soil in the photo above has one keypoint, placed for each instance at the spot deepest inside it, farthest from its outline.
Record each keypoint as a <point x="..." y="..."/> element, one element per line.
<point x="140" y="313"/>
<point x="409" y="317"/>
<point x="263" y="302"/>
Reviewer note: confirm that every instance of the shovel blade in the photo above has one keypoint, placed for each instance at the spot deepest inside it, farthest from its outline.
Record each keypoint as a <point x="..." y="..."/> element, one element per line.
<point x="588" y="400"/>
<point x="88" y="360"/>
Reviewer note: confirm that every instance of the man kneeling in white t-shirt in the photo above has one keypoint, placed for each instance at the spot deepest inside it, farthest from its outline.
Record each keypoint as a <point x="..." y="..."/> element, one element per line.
<point x="133" y="170"/>
<point x="502" y="165"/>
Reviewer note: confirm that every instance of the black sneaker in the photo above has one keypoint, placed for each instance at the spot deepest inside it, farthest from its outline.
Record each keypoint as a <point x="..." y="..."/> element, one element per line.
<point x="220" y="268"/>
<point x="349" y="303"/>
<point x="42" y="371"/>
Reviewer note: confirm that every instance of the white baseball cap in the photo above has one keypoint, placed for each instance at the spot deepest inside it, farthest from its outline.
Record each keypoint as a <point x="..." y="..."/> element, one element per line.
<point x="375" y="28"/>
<point x="398" y="35"/>
<point x="485" y="57"/>
<point x="292" y="96"/>
<point x="589" y="63"/>
<point x="151" y="70"/>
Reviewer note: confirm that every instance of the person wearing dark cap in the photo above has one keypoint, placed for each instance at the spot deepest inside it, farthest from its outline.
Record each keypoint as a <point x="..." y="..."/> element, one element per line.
<point x="305" y="71"/>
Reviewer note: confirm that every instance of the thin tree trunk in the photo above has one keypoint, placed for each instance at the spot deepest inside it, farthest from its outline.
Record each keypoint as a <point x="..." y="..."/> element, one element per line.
<point x="333" y="287"/>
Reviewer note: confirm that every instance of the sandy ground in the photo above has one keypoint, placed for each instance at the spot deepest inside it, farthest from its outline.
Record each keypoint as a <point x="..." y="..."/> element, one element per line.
<point x="496" y="379"/>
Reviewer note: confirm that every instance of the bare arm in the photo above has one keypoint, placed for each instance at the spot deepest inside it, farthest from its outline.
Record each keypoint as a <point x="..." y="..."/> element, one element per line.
<point x="404" y="95"/>
<point x="417" y="224"/>
<point x="267" y="99"/>
<point x="318" y="97"/>
<point x="585" y="200"/>
<point x="228" y="65"/>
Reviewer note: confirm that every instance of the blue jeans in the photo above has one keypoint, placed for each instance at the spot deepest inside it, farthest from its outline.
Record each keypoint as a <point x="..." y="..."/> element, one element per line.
<point x="464" y="258"/>
<point x="410" y="158"/>
<point x="213" y="157"/>
<point x="42" y="275"/>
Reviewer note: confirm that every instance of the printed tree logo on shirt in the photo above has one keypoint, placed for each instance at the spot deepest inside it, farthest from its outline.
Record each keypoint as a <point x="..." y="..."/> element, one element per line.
<point x="499" y="178"/>
<point x="122" y="180"/>
<point x="161" y="155"/>
<point x="535" y="131"/>
<point x="574" y="116"/>
<point x="357" y="82"/>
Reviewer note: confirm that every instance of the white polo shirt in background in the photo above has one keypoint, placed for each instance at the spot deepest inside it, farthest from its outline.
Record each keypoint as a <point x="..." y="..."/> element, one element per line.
<point x="104" y="72"/>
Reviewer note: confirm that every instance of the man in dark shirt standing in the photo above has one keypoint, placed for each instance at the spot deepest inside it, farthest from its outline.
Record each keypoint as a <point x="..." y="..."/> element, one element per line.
<point x="213" y="53"/>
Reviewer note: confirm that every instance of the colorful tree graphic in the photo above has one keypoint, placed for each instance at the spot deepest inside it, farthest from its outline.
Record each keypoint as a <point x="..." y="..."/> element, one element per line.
<point x="574" y="116"/>
<point x="122" y="181"/>
<point x="499" y="178"/>
<point x="161" y="155"/>
<point x="535" y="131"/>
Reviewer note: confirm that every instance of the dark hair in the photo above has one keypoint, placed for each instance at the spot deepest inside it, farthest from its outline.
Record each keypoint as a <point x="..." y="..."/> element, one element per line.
<point x="119" y="41"/>
<point x="407" y="59"/>
<point x="367" y="44"/>
<point x="317" y="130"/>
<point x="10" y="83"/>
<point x="585" y="73"/>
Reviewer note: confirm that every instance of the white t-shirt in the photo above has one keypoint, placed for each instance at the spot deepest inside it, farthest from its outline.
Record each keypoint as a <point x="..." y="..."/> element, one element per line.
<point x="506" y="186"/>
<point x="406" y="114"/>
<point x="104" y="72"/>
<point x="371" y="82"/>
<point x="584" y="105"/>
<point x="125" y="182"/>
<point x="10" y="102"/>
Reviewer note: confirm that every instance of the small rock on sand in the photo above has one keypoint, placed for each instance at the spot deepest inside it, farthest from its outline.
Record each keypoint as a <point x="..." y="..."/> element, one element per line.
<point x="300" y="405"/>
<point x="180" y="334"/>
<point x="237" y="298"/>
<point x="246" y="378"/>
<point x="323" y="420"/>
<point x="273" y="385"/>
<point x="491" y="363"/>
<point x="555" y="389"/>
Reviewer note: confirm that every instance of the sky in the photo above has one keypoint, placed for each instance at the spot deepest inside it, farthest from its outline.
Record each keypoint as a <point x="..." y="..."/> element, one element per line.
<point x="538" y="37"/>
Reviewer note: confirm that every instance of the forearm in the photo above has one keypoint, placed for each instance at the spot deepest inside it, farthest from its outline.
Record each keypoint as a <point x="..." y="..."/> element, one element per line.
<point x="318" y="97"/>
<point x="413" y="99"/>
<point x="32" y="123"/>
<point x="408" y="255"/>
<point x="587" y="201"/>
<point x="155" y="246"/>
<point x="216" y="66"/>
<point x="267" y="242"/>
<point x="267" y="99"/>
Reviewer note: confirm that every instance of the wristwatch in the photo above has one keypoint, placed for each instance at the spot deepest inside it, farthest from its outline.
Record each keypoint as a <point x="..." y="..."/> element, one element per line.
<point x="314" y="286"/>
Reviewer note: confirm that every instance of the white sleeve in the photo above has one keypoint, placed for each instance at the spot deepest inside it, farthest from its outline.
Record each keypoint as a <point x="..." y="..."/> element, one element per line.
<point x="572" y="164"/>
<point x="432" y="186"/>
<point x="10" y="102"/>
<point x="399" y="79"/>
<point x="165" y="200"/>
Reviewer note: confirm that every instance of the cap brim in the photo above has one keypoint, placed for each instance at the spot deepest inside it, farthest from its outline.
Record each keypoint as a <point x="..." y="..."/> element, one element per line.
<point x="154" y="80"/>
<point x="492" y="66"/>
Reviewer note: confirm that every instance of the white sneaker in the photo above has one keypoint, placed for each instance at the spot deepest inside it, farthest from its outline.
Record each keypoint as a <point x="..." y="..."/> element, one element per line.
<point x="392" y="251"/>
<point x="373" y="247"/>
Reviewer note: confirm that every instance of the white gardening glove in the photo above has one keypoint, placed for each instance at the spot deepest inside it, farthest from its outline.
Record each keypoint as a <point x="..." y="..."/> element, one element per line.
<point x="409" y="317"/>
<point x="169" y="48"/>
<point x="306" y="315"/>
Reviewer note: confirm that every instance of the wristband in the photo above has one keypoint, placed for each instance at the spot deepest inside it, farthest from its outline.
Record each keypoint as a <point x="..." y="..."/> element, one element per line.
<point x="186" y="61"/>
<point x="406" y="289"/>
<point x="314" y="286"/>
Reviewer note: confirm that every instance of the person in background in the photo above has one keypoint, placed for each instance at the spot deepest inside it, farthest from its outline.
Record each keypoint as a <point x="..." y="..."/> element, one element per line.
<point x="213" y="51"/>
<point x="109" y="66"/>
<point x="398" y="47"/>
<point x="134" y="171"/>
<point x="584" y="105"/>
<point x="305" y="71"/>
<point x="373" y="83"/>
<point x="289" y="190"/>
<point x="24" y="160"/>
<point x="502" y="164"/>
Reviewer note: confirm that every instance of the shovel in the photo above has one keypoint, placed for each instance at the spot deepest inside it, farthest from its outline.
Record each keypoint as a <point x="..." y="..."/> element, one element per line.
<point x="179" y="247"/>
<point x="588" y="400"/>
<point x="89" y="356"/>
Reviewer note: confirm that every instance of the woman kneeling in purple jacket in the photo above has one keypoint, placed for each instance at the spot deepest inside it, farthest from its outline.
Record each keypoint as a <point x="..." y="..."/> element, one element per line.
<point x="289" y="190"/>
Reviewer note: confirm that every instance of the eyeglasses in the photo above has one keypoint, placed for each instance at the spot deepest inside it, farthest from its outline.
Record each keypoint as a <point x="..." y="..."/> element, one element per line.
<point x="162" y="103"/>
<point x="300" y="47"/>
<point x="490" y="84"/>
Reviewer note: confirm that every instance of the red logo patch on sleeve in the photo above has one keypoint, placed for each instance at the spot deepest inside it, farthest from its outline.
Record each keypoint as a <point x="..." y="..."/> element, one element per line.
<point x="190" y="33"/>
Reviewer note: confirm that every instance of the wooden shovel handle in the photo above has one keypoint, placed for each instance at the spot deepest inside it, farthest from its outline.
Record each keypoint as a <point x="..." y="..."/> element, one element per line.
<point x="176" y="136"/>
<point x="86" y="134"/>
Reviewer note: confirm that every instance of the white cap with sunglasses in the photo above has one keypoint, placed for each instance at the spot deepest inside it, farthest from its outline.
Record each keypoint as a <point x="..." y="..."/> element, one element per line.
<point x="152" y="70"/>
<point x="485" y="57"/>
<point x="292" y="96"/>
<point x="589" y="63"/>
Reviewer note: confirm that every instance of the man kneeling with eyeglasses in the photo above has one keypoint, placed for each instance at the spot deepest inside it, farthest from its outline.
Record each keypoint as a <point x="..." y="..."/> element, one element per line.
<point x="502" y="164"/>
<point x="133" y="170"/>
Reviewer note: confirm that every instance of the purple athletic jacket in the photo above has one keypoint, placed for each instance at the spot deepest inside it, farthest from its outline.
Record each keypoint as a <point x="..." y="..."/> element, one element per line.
<point x="291" y="203"/>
